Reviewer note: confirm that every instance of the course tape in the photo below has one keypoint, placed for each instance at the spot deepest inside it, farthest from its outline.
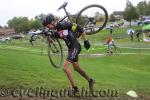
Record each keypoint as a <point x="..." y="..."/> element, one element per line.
<point x="45" y="52"/>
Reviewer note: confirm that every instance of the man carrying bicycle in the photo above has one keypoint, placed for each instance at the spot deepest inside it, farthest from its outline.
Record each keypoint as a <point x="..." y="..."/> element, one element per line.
<point x="67" y="31"/>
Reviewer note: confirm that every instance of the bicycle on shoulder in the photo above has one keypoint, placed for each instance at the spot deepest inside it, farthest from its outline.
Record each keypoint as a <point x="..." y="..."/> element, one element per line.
<point x="92" y="23"/>
<point x="93" y="18"/>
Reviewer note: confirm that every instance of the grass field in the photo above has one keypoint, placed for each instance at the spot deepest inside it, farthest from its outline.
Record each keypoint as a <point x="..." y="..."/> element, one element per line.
<point x="21" y="67"/>
<point x="120" y="72"/>
<point x="124" y="72"/>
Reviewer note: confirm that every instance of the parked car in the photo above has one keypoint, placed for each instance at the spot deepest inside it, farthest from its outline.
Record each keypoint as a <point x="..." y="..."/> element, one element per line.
<point x="107" y="27"/>
<point x="4" y="39"/>
<point x="147" y="21"/>
<point x="17" y="36"/>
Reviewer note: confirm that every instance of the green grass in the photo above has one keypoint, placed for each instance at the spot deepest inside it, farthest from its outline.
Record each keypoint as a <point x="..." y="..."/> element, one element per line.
<point x="23" y="69"/>
<point x="20" y="67"/>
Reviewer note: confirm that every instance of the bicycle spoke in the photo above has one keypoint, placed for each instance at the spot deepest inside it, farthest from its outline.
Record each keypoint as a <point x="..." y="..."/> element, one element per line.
<point x="93" y="18"/>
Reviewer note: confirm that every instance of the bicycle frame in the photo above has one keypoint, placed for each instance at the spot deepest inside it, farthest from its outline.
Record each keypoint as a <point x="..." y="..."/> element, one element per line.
<point x="68" y="15"/>
<point x="90" y="20"/>
<point x="113" y="50"/>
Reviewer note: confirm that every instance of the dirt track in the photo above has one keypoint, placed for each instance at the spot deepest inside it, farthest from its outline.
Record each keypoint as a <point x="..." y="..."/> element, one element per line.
<point x="74" y="98"/>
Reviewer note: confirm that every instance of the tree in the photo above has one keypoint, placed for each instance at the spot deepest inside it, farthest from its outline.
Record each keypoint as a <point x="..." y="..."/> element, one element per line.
<point x="130" y="12"/>
<point x="20" y="24"/>
<point x="147" y="9"/>
<point x="98" y="17"/>
<point x="35" y="24"/>
<point x="143" y="8"/>
<point x="40" y="17"/>
<point x="140" y="7"/>
<point x="112" y="18"/>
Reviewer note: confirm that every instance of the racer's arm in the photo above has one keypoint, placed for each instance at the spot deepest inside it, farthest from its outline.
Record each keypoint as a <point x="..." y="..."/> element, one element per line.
<point x="84" y="36"/>
<point x="74" y="27"/>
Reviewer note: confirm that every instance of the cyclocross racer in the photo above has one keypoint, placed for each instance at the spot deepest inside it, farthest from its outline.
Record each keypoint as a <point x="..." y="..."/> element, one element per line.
<point x="67" y="31"/>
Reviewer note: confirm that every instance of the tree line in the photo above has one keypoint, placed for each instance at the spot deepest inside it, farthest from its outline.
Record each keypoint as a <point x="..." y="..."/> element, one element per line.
<point x="23" y="24"/>
<point x="134" y="12"/>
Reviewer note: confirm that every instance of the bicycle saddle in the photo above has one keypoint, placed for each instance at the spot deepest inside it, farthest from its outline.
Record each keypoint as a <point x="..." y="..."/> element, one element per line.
<point x="63" y="5"/>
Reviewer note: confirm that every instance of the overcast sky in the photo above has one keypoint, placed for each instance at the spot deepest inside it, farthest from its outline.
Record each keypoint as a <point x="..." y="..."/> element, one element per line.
<point x="31" y="8"/>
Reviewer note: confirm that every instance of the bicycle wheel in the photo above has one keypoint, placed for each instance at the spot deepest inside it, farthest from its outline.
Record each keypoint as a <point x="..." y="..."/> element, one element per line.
<point x="55" y="52"/>
<point x="117" y="51"/>
<point x="108" y="52"/>
<point x="92" y="18"/>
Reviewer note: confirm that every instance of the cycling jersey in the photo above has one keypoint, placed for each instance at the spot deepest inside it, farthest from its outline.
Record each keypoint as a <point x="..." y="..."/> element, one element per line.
<point x="111" y="44"/>
<point x="66" y="32"/>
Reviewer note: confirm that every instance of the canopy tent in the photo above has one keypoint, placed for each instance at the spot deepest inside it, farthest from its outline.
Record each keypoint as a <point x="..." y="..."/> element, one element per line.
<point x="146" y="28"/>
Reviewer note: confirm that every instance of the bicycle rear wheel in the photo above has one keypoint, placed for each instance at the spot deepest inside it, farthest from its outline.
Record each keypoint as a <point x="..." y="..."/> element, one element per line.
<point x="108" y="52"/>
<point x="92" y="18"/>
<point x="55" y="52"/>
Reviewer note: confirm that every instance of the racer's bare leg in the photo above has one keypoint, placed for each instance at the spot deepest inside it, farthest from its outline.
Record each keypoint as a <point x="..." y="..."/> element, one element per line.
<point x="80" y="71"/>
<point x="69" y="73"/>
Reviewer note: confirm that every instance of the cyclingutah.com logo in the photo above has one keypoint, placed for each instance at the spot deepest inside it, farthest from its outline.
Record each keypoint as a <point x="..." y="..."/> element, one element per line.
<point x="47" y="93"/>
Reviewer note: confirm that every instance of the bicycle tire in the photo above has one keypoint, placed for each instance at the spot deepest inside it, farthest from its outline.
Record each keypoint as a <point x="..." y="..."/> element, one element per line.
<point x="117" y="51"/>
<point x="53" y="45"/>
<point x="108" y="53"/>
<point x="100" y="27"/>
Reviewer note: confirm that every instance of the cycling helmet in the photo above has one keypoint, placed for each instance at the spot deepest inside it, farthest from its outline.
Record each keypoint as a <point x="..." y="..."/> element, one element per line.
<point x="48" y="19"/>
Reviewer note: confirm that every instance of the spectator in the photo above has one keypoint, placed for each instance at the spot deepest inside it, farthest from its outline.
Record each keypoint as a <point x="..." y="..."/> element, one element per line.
<point x="111" y="30"/>
<point x="131" y="35"/>
<point x="138" y="35"/>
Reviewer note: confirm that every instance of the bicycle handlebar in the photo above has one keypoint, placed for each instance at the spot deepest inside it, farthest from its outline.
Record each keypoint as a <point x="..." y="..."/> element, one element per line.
<point x="33" y="34"/>
<point x="32" y="38"/>
<point x="45" y="32"/>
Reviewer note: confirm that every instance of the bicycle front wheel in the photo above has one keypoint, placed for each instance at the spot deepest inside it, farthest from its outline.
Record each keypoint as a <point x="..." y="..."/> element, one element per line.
<point x="117" y="51"/>
<point x="92" y="18"/>
<point x="55" y="52"/>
